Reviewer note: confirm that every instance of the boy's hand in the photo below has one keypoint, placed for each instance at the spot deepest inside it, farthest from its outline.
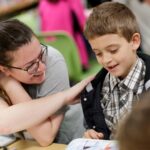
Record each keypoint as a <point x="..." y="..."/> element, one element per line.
<point x="73" y="94"/>
<point x="92" y="134"/>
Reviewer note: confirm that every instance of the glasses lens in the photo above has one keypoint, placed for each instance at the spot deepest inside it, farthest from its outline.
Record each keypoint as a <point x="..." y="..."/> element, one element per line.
<point x="43" y="54"/>
<point x="33" y="68"/>
<point x="42" y="58"/>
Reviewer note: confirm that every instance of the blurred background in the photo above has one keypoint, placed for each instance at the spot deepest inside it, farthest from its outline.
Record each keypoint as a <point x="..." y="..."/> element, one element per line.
<point x="60" y="23"/>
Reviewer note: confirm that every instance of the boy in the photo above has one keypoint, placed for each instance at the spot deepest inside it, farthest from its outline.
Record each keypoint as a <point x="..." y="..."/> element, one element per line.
<point x="42" y="71"/>
<point x="114" y="36"/>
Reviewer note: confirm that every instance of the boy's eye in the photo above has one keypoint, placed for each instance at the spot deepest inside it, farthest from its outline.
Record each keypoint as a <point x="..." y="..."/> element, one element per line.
<point x="98" y="54"/>
<point x="113" y="51"/>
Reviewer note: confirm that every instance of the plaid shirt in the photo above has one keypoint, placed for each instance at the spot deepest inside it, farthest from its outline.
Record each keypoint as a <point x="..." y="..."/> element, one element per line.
<point x="118" y="94"/>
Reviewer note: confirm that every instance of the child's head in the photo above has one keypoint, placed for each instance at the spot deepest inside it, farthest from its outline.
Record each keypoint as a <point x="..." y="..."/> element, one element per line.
<point x="112" y="32"/>
<point x="134" y="132"/>
<point x="111" y="18"/>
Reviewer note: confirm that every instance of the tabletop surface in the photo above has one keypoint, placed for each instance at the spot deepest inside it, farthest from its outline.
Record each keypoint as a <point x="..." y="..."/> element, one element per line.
<point x="32" y="145"/>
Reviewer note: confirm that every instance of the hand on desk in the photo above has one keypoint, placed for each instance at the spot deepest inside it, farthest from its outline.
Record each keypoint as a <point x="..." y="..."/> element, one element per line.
<point x="92" y="134"/>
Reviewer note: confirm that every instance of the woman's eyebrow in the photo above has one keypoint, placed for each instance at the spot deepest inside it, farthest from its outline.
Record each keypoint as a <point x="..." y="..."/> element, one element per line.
<point x="30" y="62"/>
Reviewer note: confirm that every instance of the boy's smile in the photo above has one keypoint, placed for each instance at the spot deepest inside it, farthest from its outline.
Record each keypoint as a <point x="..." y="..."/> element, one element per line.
<point x="115" y="53"/>
<point x="112" y="68"/>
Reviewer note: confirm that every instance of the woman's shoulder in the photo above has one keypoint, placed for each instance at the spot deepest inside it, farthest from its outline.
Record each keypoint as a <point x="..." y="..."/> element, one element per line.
<point x="3" y="96"/>
<point x="53" y="53"/>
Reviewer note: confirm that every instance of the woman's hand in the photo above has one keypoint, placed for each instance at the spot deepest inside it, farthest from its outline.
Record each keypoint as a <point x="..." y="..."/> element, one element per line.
<point x="73" y="94"/>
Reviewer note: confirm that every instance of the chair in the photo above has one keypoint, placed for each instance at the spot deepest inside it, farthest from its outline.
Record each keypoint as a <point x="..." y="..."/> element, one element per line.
<point x="30" y="18"/>
<point x="66" y="45"/>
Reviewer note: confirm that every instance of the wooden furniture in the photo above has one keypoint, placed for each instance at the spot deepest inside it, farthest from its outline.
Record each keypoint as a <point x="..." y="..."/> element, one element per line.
<point x="32" y="145"/>
<point x="12" y="10"/>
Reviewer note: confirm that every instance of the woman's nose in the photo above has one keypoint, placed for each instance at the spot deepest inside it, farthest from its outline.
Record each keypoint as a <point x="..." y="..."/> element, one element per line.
<point x="41" y="67"/>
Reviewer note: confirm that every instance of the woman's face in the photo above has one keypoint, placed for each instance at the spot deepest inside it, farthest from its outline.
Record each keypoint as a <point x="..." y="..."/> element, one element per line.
<point x="28" y="57"/>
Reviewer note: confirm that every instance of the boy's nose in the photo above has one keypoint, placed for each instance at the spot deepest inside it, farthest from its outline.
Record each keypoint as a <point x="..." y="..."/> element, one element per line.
<point x="107" y="58"/>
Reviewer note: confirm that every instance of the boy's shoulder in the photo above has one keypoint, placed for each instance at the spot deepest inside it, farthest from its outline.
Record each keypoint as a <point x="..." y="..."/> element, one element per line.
<point x="145" y="58"/>
<point x="97" y="82"/>
<point x="100" y="76"/>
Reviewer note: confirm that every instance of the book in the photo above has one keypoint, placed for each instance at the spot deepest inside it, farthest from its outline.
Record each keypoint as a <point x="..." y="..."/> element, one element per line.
<point x="92" y="144"/>
<point x="6" y="140"/>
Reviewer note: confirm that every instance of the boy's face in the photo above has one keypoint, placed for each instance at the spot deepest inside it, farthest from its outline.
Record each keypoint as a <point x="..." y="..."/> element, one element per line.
<point x="115" y="53"/>
<point x="29" y="57"/>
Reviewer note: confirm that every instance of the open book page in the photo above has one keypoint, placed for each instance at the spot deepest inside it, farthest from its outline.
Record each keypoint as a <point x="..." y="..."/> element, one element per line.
<point x="6" y="140"/>
<point x="91" y="144"/>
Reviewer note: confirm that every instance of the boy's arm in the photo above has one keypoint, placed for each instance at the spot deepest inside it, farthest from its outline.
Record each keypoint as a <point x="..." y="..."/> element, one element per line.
<point x="44" y="132"/>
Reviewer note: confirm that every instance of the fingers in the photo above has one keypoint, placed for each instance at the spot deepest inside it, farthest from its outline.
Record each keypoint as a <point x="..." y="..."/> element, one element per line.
<point x="81" y="85"/>
<point x="87" y="80"/>
<point x="100" y="135"/>
<point x="92" y="134"/>
<point x="73" y="93"/>
<point x="75" y="101"/>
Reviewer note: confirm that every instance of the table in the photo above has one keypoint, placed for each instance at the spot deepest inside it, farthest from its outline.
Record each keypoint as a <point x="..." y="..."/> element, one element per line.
<point x="14" y="9"/>
<point x="32" y="145"/>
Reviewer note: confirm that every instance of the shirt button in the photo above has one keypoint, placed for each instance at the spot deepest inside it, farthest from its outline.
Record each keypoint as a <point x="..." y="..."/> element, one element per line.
<point x="94" y="127"/>
<point x="85" y="99"/>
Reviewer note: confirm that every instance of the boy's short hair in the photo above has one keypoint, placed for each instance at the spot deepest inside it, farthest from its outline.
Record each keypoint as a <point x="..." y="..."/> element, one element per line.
<point x="13" y="35"/>
<point x="111" y="18"/>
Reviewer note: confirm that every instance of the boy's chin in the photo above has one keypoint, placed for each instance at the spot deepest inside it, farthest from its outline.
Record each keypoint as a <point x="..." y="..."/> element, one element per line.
<point x="117" y="75"/>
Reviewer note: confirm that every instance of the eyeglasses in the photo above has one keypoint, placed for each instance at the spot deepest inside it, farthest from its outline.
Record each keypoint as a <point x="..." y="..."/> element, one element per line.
<point x="32" y="68"/>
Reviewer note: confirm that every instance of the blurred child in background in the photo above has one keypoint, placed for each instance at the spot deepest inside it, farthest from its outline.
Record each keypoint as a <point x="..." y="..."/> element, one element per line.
<point x="134" y="132"/>
<point x="66" y="15"/>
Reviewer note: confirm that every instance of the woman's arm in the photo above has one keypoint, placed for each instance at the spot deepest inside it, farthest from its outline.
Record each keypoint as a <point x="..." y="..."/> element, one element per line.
<point x="44" y="132"/>
<point x="26" y="115"/>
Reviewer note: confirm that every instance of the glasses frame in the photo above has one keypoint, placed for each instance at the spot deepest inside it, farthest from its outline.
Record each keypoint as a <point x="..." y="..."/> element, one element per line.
<point x="45" y="49"/>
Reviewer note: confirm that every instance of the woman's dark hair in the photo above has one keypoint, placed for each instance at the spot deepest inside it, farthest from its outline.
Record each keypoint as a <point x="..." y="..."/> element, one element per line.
<point x="13" y="35"/>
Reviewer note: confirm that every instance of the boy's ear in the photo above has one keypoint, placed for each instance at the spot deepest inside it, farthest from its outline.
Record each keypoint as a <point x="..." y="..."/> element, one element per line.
<point x="136" y="41"/>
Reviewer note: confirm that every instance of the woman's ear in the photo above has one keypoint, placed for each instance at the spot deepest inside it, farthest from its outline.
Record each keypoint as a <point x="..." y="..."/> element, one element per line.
<point x="4" y="70"/>
<point x="136" y="41"/>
